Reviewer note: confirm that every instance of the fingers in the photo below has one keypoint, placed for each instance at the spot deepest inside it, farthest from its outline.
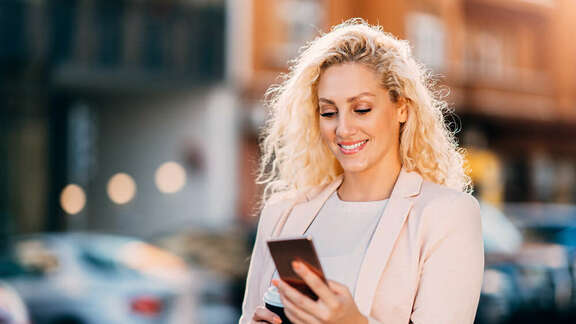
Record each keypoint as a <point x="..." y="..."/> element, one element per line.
<point x="296" y="314"/>
<point x="338" y="288"/>
<point x="316" y="284"/>
<point x="264" y="315"/>
<point x="294" y="296"/>
<point x="302" y="309"/>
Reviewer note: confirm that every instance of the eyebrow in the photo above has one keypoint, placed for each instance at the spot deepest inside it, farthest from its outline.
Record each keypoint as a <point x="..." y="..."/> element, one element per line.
<point x="349" y="99"/>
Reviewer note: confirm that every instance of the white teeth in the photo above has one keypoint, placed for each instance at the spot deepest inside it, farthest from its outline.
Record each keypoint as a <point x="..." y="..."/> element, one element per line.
<point x="351" y="147"/>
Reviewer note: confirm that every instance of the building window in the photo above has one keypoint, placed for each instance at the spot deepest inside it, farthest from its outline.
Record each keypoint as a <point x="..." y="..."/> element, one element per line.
<point x="303" y="19"/>
<point x="427" y="36"/>
<point x="486" y="54"/>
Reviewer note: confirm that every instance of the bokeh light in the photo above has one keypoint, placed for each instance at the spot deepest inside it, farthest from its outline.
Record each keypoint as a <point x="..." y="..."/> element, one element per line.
<point x="72" y="199"/>
<point x="121" y="188"/>
<point x="170" y="177"/>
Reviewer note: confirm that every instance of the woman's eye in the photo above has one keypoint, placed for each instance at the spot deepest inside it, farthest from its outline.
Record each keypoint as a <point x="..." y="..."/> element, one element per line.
<point x="363" y="111"/>
<point x="328" y="114"/>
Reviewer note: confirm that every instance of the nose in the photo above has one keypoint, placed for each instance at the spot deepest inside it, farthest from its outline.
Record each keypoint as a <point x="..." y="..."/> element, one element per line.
<point x="345" y="127"/>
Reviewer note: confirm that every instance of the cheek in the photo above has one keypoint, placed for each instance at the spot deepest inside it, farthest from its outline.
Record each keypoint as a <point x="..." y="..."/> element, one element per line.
<point x="325" y="131"/>
<point x="386" y="128"/>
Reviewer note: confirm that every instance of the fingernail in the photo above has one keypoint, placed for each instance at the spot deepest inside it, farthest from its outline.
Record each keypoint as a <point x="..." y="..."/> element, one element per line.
<point x="296" y="265"/>
<point x="277" y="320"/>
<point x="275" y="282"/>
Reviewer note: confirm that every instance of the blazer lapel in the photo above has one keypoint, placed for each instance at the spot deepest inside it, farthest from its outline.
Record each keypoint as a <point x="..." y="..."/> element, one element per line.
<point x="296" y="219"/>
<point x="302" y="215"/>
<point x="380" y="247"/>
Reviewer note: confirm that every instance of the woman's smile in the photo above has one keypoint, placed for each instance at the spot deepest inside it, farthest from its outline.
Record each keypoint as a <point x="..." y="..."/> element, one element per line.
<point x="352" y="147"/>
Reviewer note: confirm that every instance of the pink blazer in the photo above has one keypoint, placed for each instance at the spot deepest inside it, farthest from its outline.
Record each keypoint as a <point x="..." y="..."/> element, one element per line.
<point x="424" y="264"/>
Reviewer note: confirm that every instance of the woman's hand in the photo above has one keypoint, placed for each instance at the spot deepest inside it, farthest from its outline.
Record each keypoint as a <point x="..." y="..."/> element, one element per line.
<point x="335" y="303"/>
<point x="264" y="315"/>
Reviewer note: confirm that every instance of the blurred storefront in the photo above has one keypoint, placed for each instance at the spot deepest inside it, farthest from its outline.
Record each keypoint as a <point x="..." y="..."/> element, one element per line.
<point x="92" y="90"/>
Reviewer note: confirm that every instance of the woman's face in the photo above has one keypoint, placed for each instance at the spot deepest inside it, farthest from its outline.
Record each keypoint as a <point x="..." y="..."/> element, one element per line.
<point x="358" y="121"/>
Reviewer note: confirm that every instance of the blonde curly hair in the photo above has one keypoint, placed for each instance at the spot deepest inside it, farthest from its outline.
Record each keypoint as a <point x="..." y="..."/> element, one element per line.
<point x="294" y="158"/>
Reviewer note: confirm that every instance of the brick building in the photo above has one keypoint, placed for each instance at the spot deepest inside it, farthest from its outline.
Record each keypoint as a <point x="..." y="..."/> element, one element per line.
<point x="510" y="66"/>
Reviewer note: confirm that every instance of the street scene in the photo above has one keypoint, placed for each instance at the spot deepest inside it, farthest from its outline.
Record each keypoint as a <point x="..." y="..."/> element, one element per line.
<point x="130" y="135"/>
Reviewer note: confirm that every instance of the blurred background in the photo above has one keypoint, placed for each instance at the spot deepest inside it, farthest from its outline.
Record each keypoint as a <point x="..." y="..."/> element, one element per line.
<point x="128" y="147"/>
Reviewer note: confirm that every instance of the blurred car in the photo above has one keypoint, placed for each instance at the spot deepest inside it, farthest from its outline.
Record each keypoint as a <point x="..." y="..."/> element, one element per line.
<point x="552" y="225"/>
<point x="522" y="273"/>
<point x="500" y="296"/>
<point x="80" y="278"/>
<point x="12" y="308"/>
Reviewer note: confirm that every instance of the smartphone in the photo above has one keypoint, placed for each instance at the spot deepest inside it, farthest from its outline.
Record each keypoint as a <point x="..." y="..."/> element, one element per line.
<point x="296" y="248"/>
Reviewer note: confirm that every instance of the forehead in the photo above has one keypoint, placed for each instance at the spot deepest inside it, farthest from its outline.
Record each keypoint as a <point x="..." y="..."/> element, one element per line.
<point x="347" y="80"/>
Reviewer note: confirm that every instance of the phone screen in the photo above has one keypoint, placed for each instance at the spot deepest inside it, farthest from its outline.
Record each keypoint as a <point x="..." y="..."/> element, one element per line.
<point x="299" y="248"/>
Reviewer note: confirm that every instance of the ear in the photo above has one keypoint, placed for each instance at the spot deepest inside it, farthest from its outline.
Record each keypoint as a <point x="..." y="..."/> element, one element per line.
<point x="402" y="110"/>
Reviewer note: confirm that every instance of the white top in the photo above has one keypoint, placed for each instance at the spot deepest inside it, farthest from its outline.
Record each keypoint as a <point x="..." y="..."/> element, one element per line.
<point x="341" y="233"/>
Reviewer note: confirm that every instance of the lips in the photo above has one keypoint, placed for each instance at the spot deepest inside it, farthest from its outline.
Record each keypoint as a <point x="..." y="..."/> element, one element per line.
<point x="352" y="147"/>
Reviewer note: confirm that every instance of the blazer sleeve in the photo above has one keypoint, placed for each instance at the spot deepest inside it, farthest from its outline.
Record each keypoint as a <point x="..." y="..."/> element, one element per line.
<point x="269" y="215"/>
<point x="251" y="293"/>
<point x="451" y="262"/>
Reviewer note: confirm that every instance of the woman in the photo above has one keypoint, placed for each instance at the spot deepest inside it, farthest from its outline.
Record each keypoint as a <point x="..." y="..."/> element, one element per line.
<point x="356" y="153"/>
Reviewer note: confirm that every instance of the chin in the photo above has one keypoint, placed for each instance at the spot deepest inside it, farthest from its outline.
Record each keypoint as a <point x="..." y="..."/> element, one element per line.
<point x="353" y="167"/>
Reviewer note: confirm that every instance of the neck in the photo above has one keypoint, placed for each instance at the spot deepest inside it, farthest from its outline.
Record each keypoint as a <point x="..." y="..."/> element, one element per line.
<point x="370" y="185"/>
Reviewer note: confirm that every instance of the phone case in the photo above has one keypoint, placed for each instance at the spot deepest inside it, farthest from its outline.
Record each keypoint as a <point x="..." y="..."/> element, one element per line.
<point x="298" y="248"/>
